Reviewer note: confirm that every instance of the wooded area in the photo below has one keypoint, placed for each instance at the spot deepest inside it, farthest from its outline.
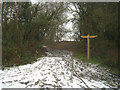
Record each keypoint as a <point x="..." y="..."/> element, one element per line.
<point x="26" y="27"/>
<point x="37" y="23"/>
<point x="99" y="19"/>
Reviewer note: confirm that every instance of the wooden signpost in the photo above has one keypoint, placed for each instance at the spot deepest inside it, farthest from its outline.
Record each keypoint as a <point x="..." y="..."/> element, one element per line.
<point x="88" y="44"/>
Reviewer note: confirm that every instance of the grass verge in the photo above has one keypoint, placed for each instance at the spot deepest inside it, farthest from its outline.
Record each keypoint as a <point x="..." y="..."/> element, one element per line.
<point x="98" y="61"/>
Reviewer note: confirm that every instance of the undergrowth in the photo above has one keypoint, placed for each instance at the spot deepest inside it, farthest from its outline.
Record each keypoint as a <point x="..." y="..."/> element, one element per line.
<point x="20" y="55"/>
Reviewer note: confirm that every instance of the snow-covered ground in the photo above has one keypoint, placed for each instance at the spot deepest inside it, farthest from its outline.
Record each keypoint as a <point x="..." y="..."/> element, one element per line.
<point x="56" y="71"/>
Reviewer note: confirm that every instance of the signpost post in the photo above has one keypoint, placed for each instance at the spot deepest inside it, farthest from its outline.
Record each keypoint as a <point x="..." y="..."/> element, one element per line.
<point x="88" y="44"/>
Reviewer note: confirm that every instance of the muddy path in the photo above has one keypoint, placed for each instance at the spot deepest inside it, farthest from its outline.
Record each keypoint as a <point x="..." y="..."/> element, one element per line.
<point x="86" y="70"/>
<point x="58" y="69"/>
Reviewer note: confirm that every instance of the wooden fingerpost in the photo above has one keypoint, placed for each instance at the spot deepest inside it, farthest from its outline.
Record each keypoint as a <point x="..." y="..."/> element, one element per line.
<point x="88" y="47"/>
<point x="88" y="44"/>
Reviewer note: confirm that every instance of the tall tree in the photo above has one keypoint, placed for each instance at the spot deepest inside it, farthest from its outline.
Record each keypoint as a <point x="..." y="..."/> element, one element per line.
<point x="38" y="22"/>
<point x="97" y="18"/>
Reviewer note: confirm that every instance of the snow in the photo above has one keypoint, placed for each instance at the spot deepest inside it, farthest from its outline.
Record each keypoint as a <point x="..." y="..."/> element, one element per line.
<point x="53" y="71"/>
<point x="46" y="72"/>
